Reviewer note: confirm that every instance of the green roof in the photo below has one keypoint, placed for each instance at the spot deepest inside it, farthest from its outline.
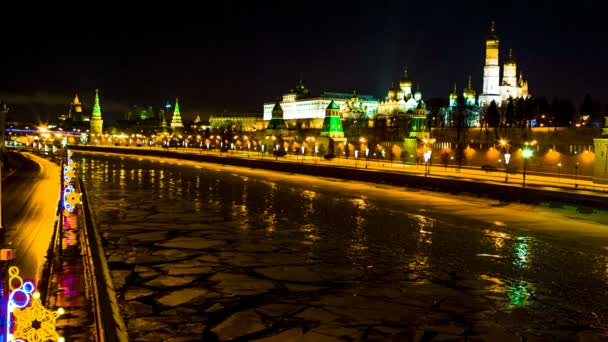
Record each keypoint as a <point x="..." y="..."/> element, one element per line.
<point x="333" y="105"/>
<point x="96" y="107"/>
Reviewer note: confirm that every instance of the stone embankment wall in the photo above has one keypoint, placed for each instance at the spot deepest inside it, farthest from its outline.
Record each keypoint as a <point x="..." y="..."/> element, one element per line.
<point x="561" y="138"/>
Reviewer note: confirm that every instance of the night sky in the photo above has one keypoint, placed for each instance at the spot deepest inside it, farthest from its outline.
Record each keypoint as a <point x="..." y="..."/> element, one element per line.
<point x="236" y="56"/>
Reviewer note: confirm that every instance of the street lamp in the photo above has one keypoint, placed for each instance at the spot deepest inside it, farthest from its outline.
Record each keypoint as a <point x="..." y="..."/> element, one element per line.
<point x="526" y="153"/>
<point x="505" y="144"/>
<point x="427" y="159"/>
<point x="559" y="168"/>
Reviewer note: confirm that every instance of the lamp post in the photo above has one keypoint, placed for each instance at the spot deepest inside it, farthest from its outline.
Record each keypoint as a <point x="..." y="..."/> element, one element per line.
<point x="526" y="153"/>
<point x="427" y="160"/>
<point x="559" y="169"/>
<point x="505" y="144"/>
<point x="356" y="156"/>
<point x="576" y="175"/>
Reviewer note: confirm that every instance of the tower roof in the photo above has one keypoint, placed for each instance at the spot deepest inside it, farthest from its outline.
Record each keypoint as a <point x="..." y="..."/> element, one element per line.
<point x="277" y="106"/>
<point x="176" y="109"/>
<point x="333" y="105"/>
<point x="176" y="121"/>
<point x="76" y="100"/>
<point x="96" y="107"/>
<point x="492" y="34"/>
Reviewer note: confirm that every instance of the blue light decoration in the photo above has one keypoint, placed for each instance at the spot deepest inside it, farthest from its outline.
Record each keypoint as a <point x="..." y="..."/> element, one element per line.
<point x="24" y="309"/>
<point x="533" y="123"/>
<point x="71" y="197"/>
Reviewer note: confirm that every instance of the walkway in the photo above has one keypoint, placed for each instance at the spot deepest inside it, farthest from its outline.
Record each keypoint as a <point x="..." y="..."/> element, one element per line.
<point x="556" y="182"/>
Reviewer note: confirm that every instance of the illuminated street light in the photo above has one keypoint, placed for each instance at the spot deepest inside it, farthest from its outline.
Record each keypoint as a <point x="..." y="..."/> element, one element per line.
<point x="505" y="145"/>
<point x="526" y="154"/>
<point x="559" y="168"/>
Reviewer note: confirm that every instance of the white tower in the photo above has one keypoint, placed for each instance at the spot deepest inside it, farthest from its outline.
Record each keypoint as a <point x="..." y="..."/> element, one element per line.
<point x="509" y="71"/>
<point x="491" y="71"/>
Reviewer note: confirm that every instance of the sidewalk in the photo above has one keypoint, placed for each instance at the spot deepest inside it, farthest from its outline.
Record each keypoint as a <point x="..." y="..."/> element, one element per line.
<point x="69" y="287"/>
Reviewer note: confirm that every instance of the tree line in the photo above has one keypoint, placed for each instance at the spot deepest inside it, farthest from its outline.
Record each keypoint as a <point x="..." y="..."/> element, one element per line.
<point x="524" y="113"/>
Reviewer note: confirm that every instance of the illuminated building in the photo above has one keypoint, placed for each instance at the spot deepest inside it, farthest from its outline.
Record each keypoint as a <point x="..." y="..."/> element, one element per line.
<point x="75" y="112"/>
<point x="510" y="87"/>
<point x="600" y="165"/>
<point x="176" y="121"/>
<point x="96" y="120"/>
<point x="298" y="104"/>
<point x="400" y="100"/>
<point x="247" y="122"/>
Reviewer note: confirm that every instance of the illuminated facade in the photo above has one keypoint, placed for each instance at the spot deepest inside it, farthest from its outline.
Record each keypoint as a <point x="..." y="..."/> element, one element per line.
<point x="493" y="89"/>
<point x="402" y="99"/>
<point x="247" y="122"/>
<point x="96" y="120"/>
<point x="176" y="121"/>
<point x="299" y="105"/>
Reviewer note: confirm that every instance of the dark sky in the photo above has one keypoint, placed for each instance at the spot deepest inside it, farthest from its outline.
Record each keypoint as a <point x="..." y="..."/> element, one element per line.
<point x="235" y="56"/>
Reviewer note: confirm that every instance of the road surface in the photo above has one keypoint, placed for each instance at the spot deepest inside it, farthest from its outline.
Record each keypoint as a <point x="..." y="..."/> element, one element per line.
<point x="29" y="203"/>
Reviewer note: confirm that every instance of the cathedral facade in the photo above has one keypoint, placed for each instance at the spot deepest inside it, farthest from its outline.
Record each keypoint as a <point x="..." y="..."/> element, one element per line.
<point x="511" y="85"/>
<point x="402" y="99"/>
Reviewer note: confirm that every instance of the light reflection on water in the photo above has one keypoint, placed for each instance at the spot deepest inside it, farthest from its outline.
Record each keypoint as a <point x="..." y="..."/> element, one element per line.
<point x="376" y="240"/>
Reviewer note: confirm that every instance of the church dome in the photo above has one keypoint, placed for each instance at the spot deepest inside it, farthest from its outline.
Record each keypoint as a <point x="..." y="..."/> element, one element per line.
<point x="391" y="93"/>
<point x="405" y="81"/>
<point x="454" y="93"/>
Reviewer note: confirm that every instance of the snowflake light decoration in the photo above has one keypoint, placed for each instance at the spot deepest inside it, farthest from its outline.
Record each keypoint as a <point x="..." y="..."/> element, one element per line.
<point x="32" y="321"/>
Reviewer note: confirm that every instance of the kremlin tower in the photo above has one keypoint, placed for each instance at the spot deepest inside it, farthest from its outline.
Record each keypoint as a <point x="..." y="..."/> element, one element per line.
<point x="76" y="107"/>
<point x="176" y="122"/>
<point x="491" y="71"/>
<point x="493" y="89"/>
<point x="96" y="120"/>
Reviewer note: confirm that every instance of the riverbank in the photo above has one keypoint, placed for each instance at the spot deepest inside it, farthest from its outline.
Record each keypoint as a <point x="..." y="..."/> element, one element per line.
<point x="535" y="192"/>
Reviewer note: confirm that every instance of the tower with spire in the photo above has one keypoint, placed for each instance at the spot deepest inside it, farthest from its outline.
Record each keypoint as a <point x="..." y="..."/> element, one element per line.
<point x="76" y="107"/>
<point x="491" y="70"/>
<point x="96" y="120"/>
<point x="510" y="86"/>
<point x="332" y="124"/>
<point x="176" y="121"/>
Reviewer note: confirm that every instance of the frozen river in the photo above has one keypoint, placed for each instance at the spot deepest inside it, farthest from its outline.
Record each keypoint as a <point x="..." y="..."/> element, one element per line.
<point x="206" y="251"/>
